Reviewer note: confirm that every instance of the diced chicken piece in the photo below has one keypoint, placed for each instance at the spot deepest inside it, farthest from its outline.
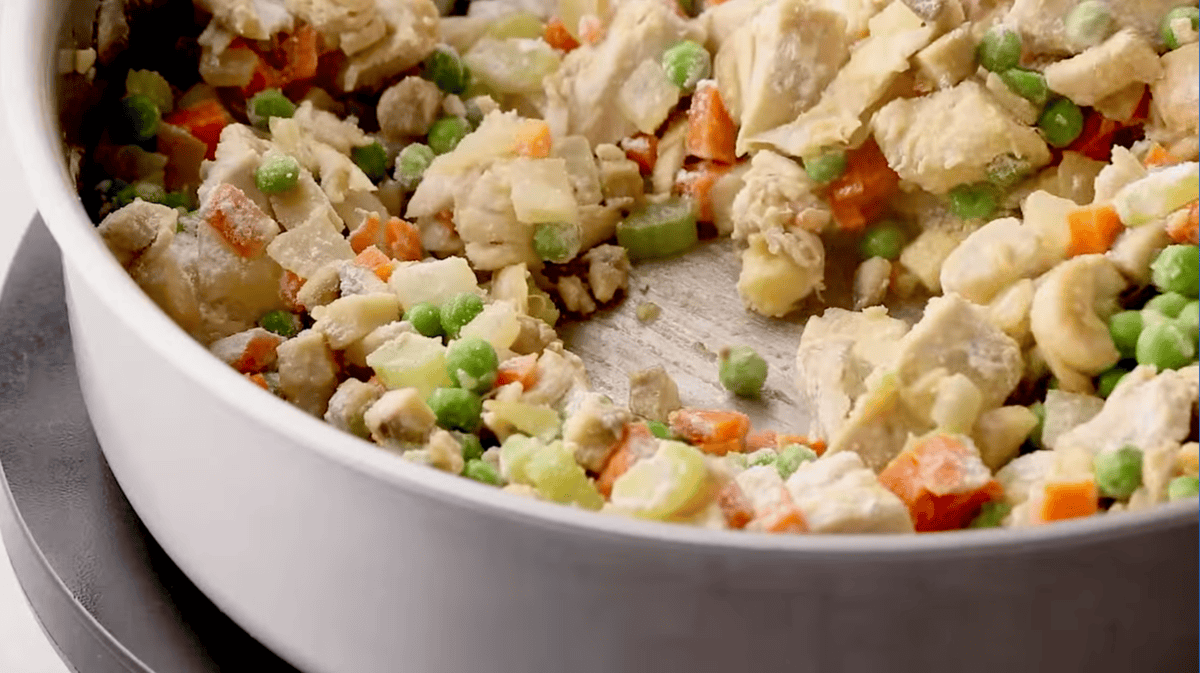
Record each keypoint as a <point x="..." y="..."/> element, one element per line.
<point x="1145" y="410"/>
<point x="358" y="280"/>
<point x="329" y="129"/>
<point x="305" y="249"/>
<point x="723" y="194"/>
<point x="351" y="318"/>
<point x="231" y="291"/>
<point x="321" y="288"/>
<point x="1105" y="69"/>
<point x="542" y="191"/>
<point x="349" y="404"/>
<point x="238" y="221"/>
<point x="592" y="429"/>
<point x="838" y="494"/>
<point x="720" y="20"/>
<point x="776" y="65"/>
<point x="672" y="150"/>
<point x="411" y="34"/>
<point x="838" y="351"/>
<point x="534" y="336"/>
<point x="248" y="352"/>
<point x="163" y="278"/>
<point x="575" y="296"/>
<point x="1158" y="468"/>
<point x="138" y="230"/>
<point x="445" y="452"/>
<point x="1021" y="109"/>
<point x="992" y="258"/>
<point x="356" y="209"/>
<point x="408" y="108"/>
<point x="1174" y="100"/>
<point x="653" y="394"/>
<point x="777" y="194"/>
<point x="608" y="271"/>
<point x="1042" y="28"/>
<point x="763" y="489"/>
<point x="400" y="420"/>
<point x="1069" y="319"/>
<point x="1021" y="474"/>
<point x="956" y="401"/>
<point x="1064" y="411"/>
<point x="237" y="158"/>
<point x="926" y="254"/>
<point x="620" y="178"/>
<point x="488" y="224"/>
<point x="1000" y="432"/>
<point x="948" y="60"/>
<point x="1122" y="105"/>
<point x="879" y="423"/>
<point x="112" y="30"/>
<point x="1009" y="311"/>
<point x="780" y="269"/>
<point x="582" y="94"/>
<point x="308" y="373"/>
<point x="357" y="352"/>
<point x="581" y="168"/>
<point x="254" y="19"/>
<point x="558" y="373"/>
<point x="340" y="176"/>
<point x="1074" y="178"/>
<point x="186" y="153"/>
<point x="304" y="202"/>
<point x="1123" y="170"/>
<point x="896" y="34"/>
<point x="648" y="96"/>
<point x="949" y="137"/>
<point x="1135" y="249"/>
<point x="871" y="282"/>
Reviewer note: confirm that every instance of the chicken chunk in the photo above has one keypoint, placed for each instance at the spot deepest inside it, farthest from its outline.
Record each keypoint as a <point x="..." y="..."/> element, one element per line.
<point x="400" y="420"/>
<point x="838" y="494"/>
<point x="138" y="230"/>
<point x="777" y="194"/>
<point x="308" y="373"/>
<point x="488" y="224"/>
<point x="1043" y="31"/>
<point x="1069" y="319"/>
<point x="608" y="271"/>
<point x="653" y="394"/>
<point x="1175" y="98"/>
<point x="408" y="108"/>
<point x="353" y="317"/>
<point x="349" y="404"/>
<point x="776" y="65"/>
<point x="411" y="33"/>
<point x="992" y="259"/>
<point x="949" y="137"/>
<point x="592" y="429"/>
<point x="1123" y="59"/>
<point x="248" y="352"/>
<point x="237" y="158"/>
<point x="254" y="19"/>
<point x="780" y="269"/>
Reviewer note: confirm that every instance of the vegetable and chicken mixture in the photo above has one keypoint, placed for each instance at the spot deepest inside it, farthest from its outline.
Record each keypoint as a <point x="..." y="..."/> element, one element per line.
<point x="378" y="210"/>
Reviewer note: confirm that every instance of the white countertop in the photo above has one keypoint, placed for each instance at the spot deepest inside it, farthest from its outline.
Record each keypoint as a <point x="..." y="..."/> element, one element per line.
<point x="23" y="646"/>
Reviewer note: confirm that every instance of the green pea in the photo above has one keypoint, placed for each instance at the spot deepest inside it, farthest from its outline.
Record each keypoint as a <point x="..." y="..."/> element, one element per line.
<point x="969" y="202"/>
<point x="1006" y="170"/>
<point x="1125" y="328"/>
<point x="1177" y="269"/>
<point x="1183" y="487"/>
<point x="281" y="322"/>
<point x="885" y="239"/>
<point x="458" y="311"/>
<point x="1170" y="34"/>
<point x="266" y="104"/>
<point x="826" y="167"/>
<point x="140" y="117"/>
<point x="445" y="69"/>
<point x="426" y="319"/>
<point x="1088" y="24"/>
<point x="446" y="133"/>
<point x="277" y="173"/>
<point x="660" y="430"/>
<point x="990" y="515"/>
<point x="791" y="457"/>
<point x="456" y="408"/>
<point x="686" y="63"/>
<point x="761" y="457"/>
<point x="371" y="159"/>
<point x="472" y="364"/>
<point x="1119" y="473"/>
<point x="482" y="471"/>
<point x="1028" y="84"/>
<point x="1107" y="382"/>
<point x="1061" y="122"/>
<point x="1169" y="304"/>
<point x="742" y="371"/>
<point x="152" y="85"/>
<point x="1165" y="345"/>
<point x="472" y="448"/>
<point x="999" y="50"/>
<point x="1189" y="319"/>
<point x="557" y="242"/>
<point x="411" y="165"/>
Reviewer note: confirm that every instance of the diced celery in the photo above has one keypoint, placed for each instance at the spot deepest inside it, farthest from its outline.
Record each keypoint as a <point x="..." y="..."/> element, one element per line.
<point x="497" y="324"/>
<point x="411" y="361"/>
<point x="659" y="229"/>
<point x="542" y="192"/>
<point x="542" y="306"/>
<point x="433" y="282"/>
<point x="556" y="476"/>
<point x="535" y="420"/>
<point x="152" y="85"/>
<point x="663" y="485"/>
<point x="648" y="96"/>
<point x="1158" y="194"/>
<point x="519" y="24"/>
<point x="515" y="453"/>
<point x="514" y="66"/>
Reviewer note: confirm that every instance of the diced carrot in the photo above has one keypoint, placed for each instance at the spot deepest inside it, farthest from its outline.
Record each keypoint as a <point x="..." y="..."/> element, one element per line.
<point x="1185" y="228"/>
<point x="735" y="506"/>
<point x="713" y="431"/>
<point x="1068" y="500"/>
<point x="642" y="149"/>
<point x="558" y="36"/>
<point x="591" y="29"/>
<point x="289" y="288"/>
<point x="711" y="133"/>
<point x="636" y="443"/>
<point x="533" y="139"/>
<point x="370" y="232"/>
<point x="301" y="54"/>
<point x="1093" y="229"/>
<point x="522" y="369"/>
<point x="859" y="195"/>
<point x="264" y="77"/>
<point x="817" y="445"/>
<point x="1096" y="139"/>
<point x="258" y="353"/>
<point x="374" y="259"/>
<point x="782" y="517"/>
<point x="929" y="478"/>
<point x="403" y="240"/>
<point x="239" y="221"/>
<point x="763" y="439"/>
<point x="1159" y="156"/>
<point x="698" y="184"/>
<point x="258" y="380"/>
<point x="205" y="120"/>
